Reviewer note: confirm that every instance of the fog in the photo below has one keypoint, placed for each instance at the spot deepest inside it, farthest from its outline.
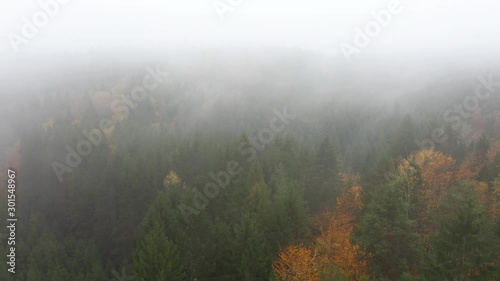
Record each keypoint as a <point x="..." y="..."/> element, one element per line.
<point x="421" y="43"/>
<point x="422" y="26"/>
<point x="233" y="45"/>
<point x="116" y="114"/>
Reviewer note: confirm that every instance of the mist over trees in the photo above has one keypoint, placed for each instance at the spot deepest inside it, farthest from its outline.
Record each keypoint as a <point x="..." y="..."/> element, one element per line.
<point x="256" y="164"/>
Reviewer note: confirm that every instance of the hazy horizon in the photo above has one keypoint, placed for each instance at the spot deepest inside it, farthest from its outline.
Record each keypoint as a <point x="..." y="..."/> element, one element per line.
<point x="442" y="26"/>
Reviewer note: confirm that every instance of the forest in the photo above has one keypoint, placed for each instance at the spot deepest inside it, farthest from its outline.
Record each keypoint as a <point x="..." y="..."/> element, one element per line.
<point x="277" y="166"/>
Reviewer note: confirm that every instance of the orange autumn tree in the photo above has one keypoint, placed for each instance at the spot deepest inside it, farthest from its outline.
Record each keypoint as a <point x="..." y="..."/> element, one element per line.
<point x="428" y="174"/>
<point x="171" y="180"/>
<point x="297" y="263"/>
<point x="496" y="192"/>
<point x="334" y="245"/>
<point x="425" y="179"/>
<point x="475" y="161"/>
<point x="493" y="151"/>
<point x="470" y="167"/>
<point x="488" y="197"/>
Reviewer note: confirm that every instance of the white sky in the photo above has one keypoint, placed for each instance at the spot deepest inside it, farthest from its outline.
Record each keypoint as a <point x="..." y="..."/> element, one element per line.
<point x="438" y="25"/>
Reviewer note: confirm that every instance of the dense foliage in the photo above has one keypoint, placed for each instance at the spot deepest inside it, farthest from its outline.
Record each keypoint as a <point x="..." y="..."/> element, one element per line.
<point x="344" y="192"/>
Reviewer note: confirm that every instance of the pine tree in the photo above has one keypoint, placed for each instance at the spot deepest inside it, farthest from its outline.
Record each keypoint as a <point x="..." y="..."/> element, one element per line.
<point x="323" y="185"/>
<point x="405" y="138"/>
<point x="292" y="216"/>
<point x="465" y="248"/>
<point x="252" y="256"/>
<point x="157" y="258"/>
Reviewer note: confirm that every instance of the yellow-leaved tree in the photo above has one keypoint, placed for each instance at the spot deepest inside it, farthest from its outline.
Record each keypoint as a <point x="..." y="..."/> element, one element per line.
<point x="334" y="245"/>
<point x="172" y="180"/>
<point x="333" y="251"/>
<point x="297" y="263"/>
<point x="425" y="179"/>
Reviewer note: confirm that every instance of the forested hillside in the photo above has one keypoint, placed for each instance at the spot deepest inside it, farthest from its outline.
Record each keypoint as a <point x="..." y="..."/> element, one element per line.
<point x="249" y="167"/>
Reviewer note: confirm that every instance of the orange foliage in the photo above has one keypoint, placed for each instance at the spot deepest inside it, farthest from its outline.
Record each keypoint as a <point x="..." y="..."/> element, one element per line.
<point x="487" y="198"/>
<point x="426" y="177"/>
<point x="493" y="151"/>
<point x="496" y="193"/>
<point x="171" y="179"/>
<point x="297" y="263"/>
<point x="322" y="221"/>
<point x="470" y="167"/>
<point x="350" y="179"/>
<point x="349" y="205"/>
<point x="334" y="243"/>
<point x="434" y="169"/>
<point x="333" y="246"/>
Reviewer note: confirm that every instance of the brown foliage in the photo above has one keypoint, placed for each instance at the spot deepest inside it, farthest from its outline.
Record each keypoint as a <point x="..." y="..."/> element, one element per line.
<point x="493" y="151"/>
<point x="470" y="167"/>
<point x="297" y="263"/>
<point x="426" y="177"/>
<point x="334" y="245"/>
<point x="434" y="170"/>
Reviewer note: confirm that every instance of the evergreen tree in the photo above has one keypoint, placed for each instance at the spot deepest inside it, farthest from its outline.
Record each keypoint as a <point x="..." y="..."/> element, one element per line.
<point x="252" y="256"/>
<point x="324" y="183"/>
<point x="465" y="247"/>
<point x="388" y="234"/>
<point x="157" y="258"/>
<point x="404" y="143"/>
<point x="292" y="216"/>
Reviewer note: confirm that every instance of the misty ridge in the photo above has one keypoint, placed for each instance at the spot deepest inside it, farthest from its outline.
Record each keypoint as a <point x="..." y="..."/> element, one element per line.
<point x="233" y="91"/>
